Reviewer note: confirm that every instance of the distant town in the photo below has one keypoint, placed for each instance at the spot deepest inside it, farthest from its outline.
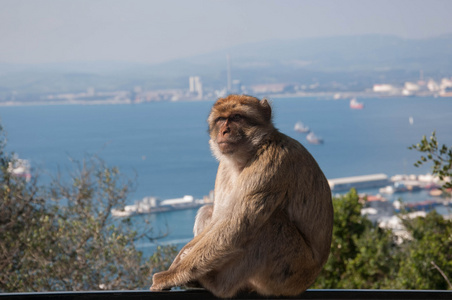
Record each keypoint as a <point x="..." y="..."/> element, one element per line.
<point x="195" y="91"/>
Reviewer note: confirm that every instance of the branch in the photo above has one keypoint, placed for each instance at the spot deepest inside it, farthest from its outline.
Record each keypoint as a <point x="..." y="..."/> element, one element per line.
<point x="442" y="273"/>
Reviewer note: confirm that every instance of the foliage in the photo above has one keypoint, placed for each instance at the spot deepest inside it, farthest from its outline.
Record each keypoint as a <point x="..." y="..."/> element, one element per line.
<point x="441" y="156"/>
<point x="364" y="256"/>
<point x="348" y="224"/>
<point x="427" y="263"/>
<point x="62" y="236"/>
<point x="360" y="251"/>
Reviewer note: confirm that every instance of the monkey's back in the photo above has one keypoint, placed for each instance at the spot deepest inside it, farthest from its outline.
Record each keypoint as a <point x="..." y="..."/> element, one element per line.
<point x="308" y="202"/>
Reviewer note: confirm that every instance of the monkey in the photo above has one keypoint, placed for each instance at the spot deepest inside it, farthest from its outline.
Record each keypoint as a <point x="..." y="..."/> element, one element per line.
<point x="270" y="226"/>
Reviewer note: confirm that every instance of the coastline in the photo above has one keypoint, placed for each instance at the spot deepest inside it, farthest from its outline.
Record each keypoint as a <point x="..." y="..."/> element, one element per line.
<point x="71" y="102"/>
<point x="321" y="95"/>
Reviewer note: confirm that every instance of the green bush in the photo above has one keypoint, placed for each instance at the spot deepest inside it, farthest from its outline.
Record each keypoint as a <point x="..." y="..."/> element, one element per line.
<point x="63" y="237"/>
<point x="364" y="256"/>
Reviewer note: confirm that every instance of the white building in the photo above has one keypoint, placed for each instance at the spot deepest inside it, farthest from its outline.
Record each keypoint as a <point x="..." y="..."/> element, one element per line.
<point x="411" y="87"/>
<point x="383" y="88"/>
<point x="432" y="86"/>
<point x="446" y="83"/>
<point x="195" y="86"/>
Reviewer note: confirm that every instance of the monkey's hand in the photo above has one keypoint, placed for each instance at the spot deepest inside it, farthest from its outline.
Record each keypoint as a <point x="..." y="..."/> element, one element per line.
<point x="160" y="281"/>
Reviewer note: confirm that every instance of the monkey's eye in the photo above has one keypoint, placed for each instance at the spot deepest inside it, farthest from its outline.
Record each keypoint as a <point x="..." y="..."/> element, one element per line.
<point x="235" y="118"/>
<point x="220" y="119"/>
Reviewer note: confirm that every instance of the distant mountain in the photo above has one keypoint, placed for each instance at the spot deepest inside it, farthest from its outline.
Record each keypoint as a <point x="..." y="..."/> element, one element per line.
<point x="362" y="59"/>
<point x="370" y="53"/>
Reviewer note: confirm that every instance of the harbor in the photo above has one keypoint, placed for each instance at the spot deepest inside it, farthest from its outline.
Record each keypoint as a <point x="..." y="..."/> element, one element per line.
<point x="173" y="218"/>
<point x="385" y="185"/>
<point x="382" y="196"/>
<point x="149" y="205"/>
<point x="386" y="210"/>
<point x="387" y="201"/>
<point x="404" y="192"/>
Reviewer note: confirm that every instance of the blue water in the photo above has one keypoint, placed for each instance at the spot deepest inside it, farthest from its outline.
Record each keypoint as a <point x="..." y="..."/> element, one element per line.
<point x="166" y="143"/>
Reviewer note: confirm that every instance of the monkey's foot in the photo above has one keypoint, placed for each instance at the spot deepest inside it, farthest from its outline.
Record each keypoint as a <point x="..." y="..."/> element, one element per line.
<point x="158" y="289"/>
<point x="193" y="285"/>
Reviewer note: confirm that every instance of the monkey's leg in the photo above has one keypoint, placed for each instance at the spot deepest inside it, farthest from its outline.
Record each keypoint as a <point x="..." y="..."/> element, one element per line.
<point x="288" y="265"/>
<point x="203" y="218"/>
<point x="230" y="278"/>
<point x="276" y="261"/>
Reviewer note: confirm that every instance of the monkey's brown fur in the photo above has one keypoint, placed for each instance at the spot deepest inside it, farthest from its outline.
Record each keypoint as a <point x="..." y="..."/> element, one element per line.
<point x="270" y="227"/>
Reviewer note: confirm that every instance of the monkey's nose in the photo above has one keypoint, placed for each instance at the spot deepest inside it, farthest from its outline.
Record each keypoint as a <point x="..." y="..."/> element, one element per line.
<point x="226" y="130"/>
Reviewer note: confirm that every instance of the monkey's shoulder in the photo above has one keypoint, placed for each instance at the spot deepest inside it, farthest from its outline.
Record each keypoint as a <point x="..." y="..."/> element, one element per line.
<point x="281" y="146"/>
<point x="285" y="155"/>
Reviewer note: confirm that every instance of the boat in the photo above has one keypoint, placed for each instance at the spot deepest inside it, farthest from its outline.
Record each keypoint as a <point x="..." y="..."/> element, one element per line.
<point x="435" y="192"/>
<point x="407" y="186"/>
<point x="300" y="127"/>
<point x="313" y="139"/>
<point x="426" y="205"/>
<point x="20" y="168"/>
<point x="401" y="187"/>
<point x="378" y="209"/>
<point x="354" y="104"/>
<point x="150" y="205"/>
<point x="387" y="190"/>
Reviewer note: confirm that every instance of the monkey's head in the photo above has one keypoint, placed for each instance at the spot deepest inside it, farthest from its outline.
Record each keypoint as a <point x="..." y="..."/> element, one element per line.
<point x="237" y="124"/>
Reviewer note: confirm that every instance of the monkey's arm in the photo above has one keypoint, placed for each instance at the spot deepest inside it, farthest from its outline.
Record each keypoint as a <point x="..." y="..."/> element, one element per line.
<point x="203" y="219"/>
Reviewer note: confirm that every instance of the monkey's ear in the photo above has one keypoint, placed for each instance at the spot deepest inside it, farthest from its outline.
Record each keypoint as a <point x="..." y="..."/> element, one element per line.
<point x="266" y="109"/>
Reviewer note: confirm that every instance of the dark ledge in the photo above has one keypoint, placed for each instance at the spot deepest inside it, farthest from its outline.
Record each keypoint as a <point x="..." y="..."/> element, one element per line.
<point x="200" y="294"/>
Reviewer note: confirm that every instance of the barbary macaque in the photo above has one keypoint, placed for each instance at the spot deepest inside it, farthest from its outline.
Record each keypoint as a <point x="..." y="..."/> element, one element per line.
<point x="269" y="229"/>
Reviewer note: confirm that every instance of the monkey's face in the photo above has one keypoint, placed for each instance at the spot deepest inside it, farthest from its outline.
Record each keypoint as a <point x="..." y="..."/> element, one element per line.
<point x="228" y="132"/>
<point x="237" y="123"/>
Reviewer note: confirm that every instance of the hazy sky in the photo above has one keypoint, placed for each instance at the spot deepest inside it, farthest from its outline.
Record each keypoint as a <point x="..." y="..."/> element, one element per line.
<point x="36" y="31"/>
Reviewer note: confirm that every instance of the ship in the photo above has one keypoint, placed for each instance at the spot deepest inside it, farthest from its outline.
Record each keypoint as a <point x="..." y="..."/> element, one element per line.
<point x="313" y="139"/>
<point x="300" y="127"/>
<point x="149" y="205"/>
<point x="426" y="205"/>
<point x="20" y="168"/>
<point x="401" y="186"/>
<point x="354" y="104"/>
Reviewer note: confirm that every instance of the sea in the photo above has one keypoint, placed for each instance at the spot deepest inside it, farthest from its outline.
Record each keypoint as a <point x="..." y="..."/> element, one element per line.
<point x="163" y="146"/>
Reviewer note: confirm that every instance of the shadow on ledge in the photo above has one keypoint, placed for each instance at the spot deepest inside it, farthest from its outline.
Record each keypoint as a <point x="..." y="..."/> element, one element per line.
<point x="200" y="294"/>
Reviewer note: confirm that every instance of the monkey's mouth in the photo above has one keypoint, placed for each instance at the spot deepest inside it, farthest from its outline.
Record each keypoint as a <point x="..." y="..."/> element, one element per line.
<point x="227" y="146"/>
<point x="226" y="143"/>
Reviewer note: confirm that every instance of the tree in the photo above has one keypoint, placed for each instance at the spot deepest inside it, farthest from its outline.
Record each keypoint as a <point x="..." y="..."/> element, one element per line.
<point x="441" y="156"/>
<point x="361" y="253"/>
<point x="427" y="259"/>
<point x="429" y="263"/>
<point x="63" y="237"/>
<point x="364" y="256"/>
<point x="374" y="264"/>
